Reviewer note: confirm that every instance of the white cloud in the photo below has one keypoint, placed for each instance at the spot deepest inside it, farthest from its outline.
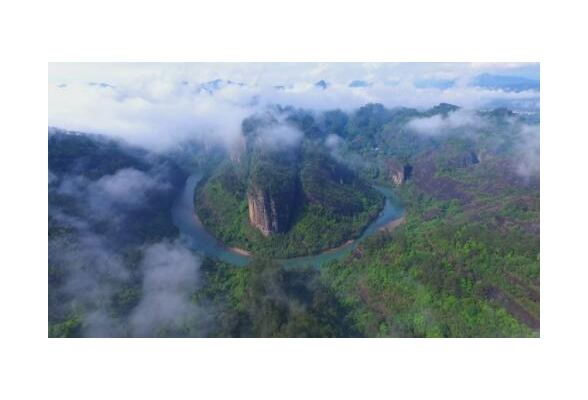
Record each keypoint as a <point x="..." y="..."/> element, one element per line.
<point x="503" y="65"/>
<point x="51" y="177"/>
<point x="170" y="276"/>
<point x="111" y="197"/>
<point x="332" y="141"/>
<point x="155" y="118"/>
<point x="97" y="272"/>
<point x="438" y="124"/>
<point x="525" y="137"/>
<point x="127" y="187"/>
<point x="160" y="106"/>
<point x="279" y="137"/>
<point x="268" y="74"/>
<point x="528" y="150"/>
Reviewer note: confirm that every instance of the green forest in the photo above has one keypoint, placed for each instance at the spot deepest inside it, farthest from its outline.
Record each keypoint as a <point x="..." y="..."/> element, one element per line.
<point x="465" y="263"/>
<point x="330" y="203"/>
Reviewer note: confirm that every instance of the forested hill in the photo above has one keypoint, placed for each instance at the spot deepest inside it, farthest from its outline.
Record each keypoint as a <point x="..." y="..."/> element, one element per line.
<point x="466" y="262"/>
<point x="286" y="199"/>
<point x="109" y="207"/>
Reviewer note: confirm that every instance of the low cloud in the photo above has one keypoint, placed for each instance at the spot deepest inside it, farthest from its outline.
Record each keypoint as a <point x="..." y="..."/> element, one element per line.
<point x="161" y="107"/>
<point x="523" y="138"/>
<point x="278" y="137"/>
<point x="154" y="118"/>
<point x="95" y="273"/>
<point x="170" y="277"/>
<point x="502" y="65"/>
<point x="439" y="124"/>
<point x="111" y="196"/>
<point x="528" y="151"/>
<point x="128" y="187"/>
<point x="51" y="177"/>
<point x="283" y="74"/>
<point x="333" y="141"/>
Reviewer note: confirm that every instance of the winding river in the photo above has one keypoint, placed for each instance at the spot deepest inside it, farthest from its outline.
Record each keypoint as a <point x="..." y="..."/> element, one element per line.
<point x="197" y="238"/>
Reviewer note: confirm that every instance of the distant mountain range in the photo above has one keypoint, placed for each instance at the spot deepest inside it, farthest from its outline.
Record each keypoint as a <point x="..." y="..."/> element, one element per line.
<point x="508" y="83"/>
<point x="486" y="81"/>
<point x="435" y="83"/>
<point x="358" y="83"/>
<point x="212" y="86"/>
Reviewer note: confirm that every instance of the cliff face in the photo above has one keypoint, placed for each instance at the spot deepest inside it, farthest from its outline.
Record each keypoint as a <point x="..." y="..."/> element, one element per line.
<point x="269" y="212"/>
<point x="397" y="172"/>
<point x="461" y="159"/>
<point x="397" y="176"/>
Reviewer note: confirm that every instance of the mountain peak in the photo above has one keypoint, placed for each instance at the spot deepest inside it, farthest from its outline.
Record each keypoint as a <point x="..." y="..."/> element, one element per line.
<point x="504" y="82"/>
<point x="322" y="84"/>
<point x="443" y="109"/>
<point x="358" y="83"/>
<point x="99" y="84"/>
<point x="217" y="84"/>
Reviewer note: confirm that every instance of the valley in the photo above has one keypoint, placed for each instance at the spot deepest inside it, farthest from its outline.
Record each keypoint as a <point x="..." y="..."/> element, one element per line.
<point x="286" y="209"/>
<point x="375" y="223"/>
<point x="200" y="240"/>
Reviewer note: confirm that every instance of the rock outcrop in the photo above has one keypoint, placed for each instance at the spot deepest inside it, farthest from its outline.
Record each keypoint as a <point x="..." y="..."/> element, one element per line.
<point x="397" y="172"/>
<point x="462" y="160"/>
<point x="269" y="212"/>
<point x="449" y="158"/>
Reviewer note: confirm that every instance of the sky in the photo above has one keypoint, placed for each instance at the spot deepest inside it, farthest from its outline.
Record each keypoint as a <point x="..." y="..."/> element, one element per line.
<point x="280" y="73"/>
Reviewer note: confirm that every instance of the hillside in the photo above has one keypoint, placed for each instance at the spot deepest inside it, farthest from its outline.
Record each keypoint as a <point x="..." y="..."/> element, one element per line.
<point x="286" y="204"/>
<point x="466" y="263"/>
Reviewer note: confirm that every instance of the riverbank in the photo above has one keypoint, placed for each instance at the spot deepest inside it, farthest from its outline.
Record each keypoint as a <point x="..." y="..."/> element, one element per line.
<point x="246" y="253"/>
<point x="390" y="226"/>
<point x="240" y="251"/>
<point x="199" y="239"/>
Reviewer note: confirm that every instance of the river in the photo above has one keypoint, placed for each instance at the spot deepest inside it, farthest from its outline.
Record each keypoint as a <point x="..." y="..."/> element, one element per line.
<point x="198" y="239"/>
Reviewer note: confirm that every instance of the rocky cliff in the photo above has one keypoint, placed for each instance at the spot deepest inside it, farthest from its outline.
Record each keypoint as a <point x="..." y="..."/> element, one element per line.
<point x="397" y="172"/>
<point x="469" y="158"/>
<point x="270" y="212"/>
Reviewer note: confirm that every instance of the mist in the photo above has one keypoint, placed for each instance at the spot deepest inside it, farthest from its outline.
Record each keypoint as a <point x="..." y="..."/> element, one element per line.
<point x="94" y="273"/>
<point x="161" y="107"/>
<point x="470" y="123"/>
<point x="171" y="274"/>
<point x="278" y="137"/>
<point x="51" y="178"/>
<point x="119" y="262"/>
<point x="440" y="124"/>
<point x="110" y="268"/>
<point x="528" y="151"/>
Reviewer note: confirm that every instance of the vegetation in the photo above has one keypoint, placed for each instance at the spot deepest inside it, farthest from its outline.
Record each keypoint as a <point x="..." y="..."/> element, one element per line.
<point x="266" y="300"/>
<point x="466" y="263"/>
<point x="84" y="159"/>
<point x="78" y="229"/>
<point x="330" y="204"/>
<point x="442" y="278"/>
<point x="441" y="274"/>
